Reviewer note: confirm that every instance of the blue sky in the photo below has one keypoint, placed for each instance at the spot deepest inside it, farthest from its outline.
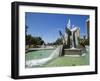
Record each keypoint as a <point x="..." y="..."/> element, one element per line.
<point x="47" y="25"/>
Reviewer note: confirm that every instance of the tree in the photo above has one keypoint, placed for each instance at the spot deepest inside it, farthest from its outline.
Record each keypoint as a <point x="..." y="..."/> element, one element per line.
<point x="38" y="40"/>
<point x="30" y="40"/>
<point x="58" y="42"/>
<point x="26" y="28"/>
<point x="83" y="41"/>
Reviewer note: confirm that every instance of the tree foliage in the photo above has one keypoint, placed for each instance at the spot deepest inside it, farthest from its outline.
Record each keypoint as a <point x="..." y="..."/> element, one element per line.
<point x="83" y="41"/>
<point x="58" y="42"/>
<point x="26" y="28"/>
<point x="30" y="40"/>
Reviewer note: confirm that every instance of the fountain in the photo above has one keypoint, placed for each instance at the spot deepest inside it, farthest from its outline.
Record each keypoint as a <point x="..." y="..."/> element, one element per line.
<point x="70" y="46"/>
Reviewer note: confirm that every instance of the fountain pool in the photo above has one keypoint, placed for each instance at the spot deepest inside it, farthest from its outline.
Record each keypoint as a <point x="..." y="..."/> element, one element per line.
<point x="41" y="57"/>
<point x="38" y="54"/>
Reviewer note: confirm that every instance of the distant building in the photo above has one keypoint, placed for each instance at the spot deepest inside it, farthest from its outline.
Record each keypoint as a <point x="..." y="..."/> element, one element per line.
<point x="88" y="28"/>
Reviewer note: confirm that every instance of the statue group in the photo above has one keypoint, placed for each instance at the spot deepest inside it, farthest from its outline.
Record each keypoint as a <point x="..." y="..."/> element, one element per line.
<point x="71" y="35"/>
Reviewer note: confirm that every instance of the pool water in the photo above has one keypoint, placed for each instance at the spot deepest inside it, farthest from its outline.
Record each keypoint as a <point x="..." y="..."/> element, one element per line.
<point x="70" y="61"/>
<point x="38" y="54"/>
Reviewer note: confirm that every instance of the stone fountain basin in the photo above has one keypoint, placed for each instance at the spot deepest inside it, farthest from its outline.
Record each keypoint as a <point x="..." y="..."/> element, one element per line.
<point x="75" y="51"/>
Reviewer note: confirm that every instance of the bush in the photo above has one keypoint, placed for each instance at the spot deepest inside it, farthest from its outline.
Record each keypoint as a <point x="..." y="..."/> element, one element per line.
<point x="83" y="42"/>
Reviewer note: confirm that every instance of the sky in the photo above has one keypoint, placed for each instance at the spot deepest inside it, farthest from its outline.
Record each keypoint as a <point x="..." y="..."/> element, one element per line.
<point x="47" y="25"/>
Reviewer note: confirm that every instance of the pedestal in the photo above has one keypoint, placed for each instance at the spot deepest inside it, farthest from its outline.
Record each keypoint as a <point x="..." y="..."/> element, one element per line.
<point x="74" y="51"/>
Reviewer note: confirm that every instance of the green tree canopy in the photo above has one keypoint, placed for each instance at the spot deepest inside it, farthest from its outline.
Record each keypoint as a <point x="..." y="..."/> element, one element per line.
<point x="30" y="40"/>
<point x="58" y="42"/>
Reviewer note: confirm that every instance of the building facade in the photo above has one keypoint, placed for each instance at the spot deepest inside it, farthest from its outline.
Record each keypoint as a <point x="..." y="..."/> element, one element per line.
<point x="88" y="28"/>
